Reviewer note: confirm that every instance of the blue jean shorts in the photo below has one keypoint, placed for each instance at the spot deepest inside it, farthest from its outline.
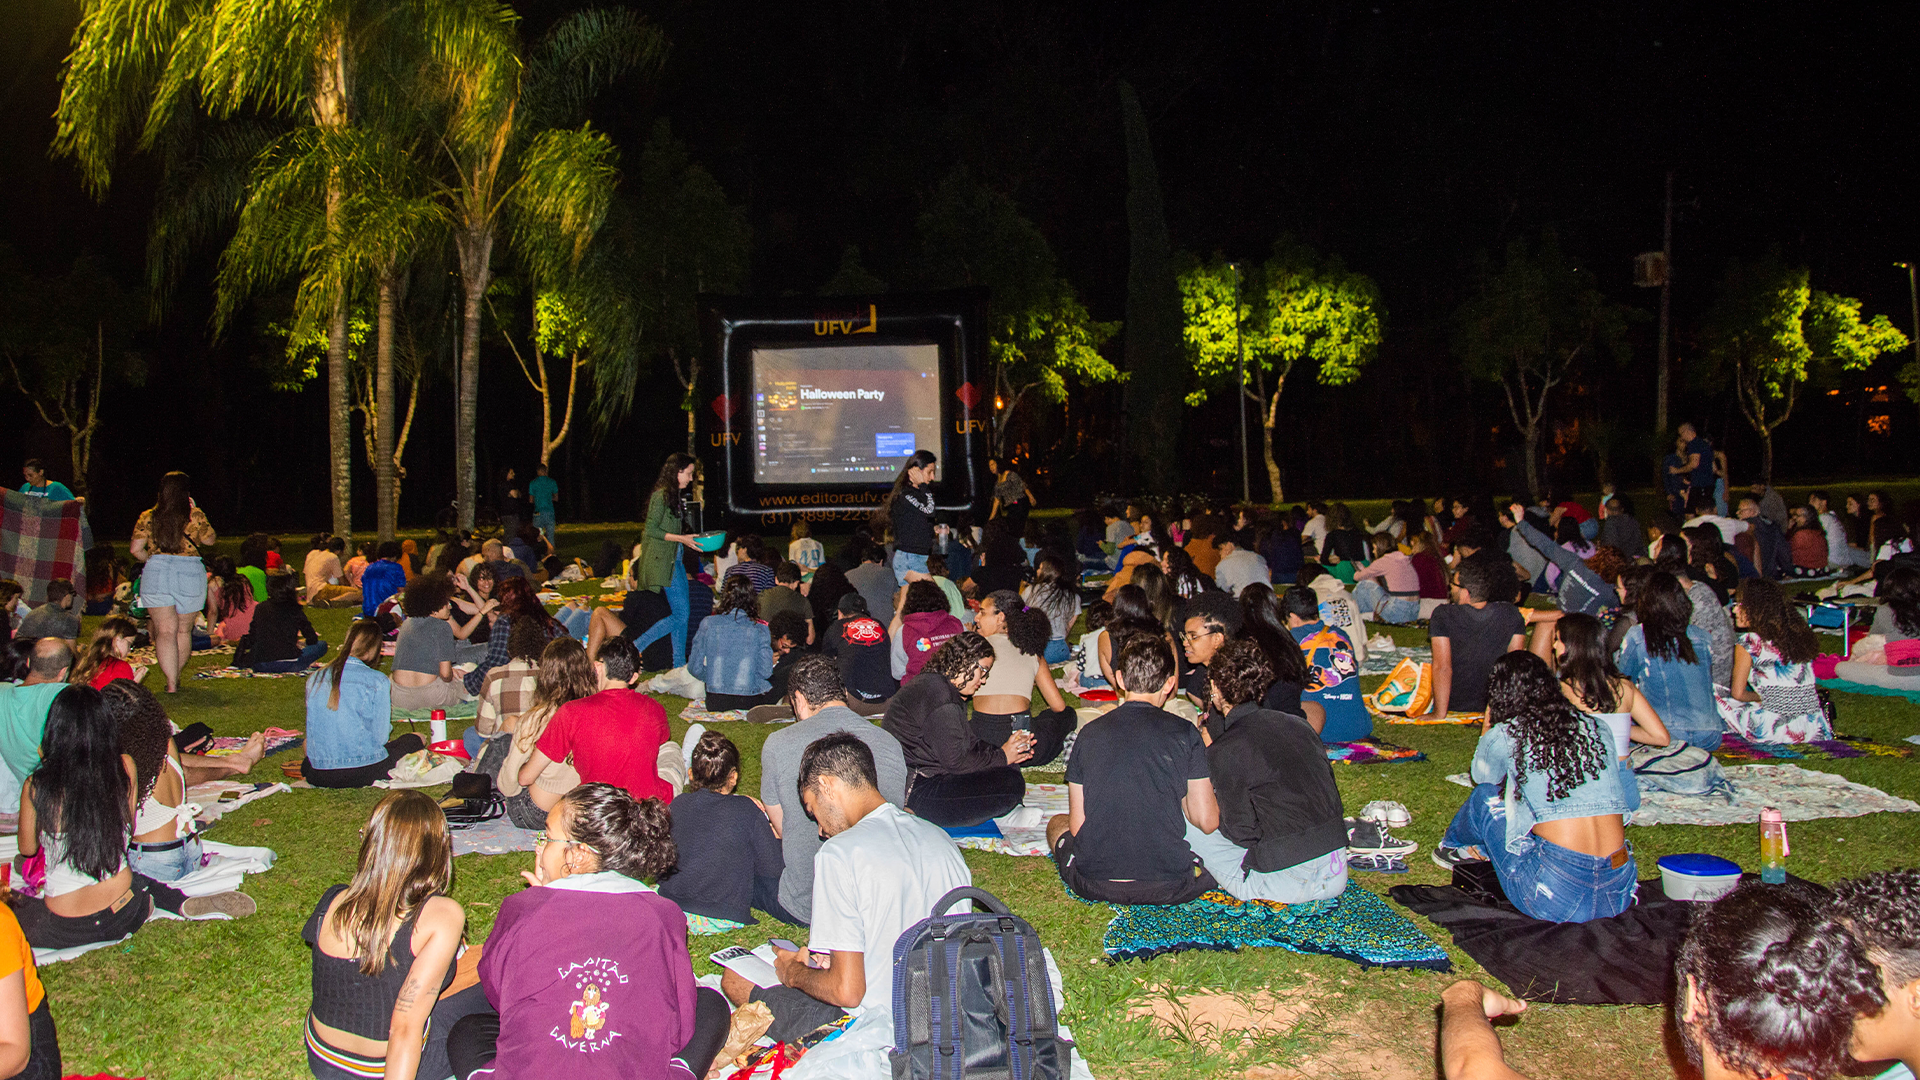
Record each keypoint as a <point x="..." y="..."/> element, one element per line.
<point x="175" y="581"/>
<point x="904" y="561"/>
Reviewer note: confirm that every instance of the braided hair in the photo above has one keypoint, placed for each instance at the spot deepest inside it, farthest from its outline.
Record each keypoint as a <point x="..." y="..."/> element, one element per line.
<point x="1548" y="734"/>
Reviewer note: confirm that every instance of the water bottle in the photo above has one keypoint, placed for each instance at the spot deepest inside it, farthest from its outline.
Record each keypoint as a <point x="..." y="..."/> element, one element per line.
<point x="437" y="726"/>
<point x="1774" y="848"/>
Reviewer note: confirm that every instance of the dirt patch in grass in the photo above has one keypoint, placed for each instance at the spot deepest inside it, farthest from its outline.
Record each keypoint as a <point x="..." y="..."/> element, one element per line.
<point x="1336" y="1037"/>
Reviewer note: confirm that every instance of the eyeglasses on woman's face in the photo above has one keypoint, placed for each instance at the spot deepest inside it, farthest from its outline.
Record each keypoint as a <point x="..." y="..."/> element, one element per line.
<point x="541" y="839"/>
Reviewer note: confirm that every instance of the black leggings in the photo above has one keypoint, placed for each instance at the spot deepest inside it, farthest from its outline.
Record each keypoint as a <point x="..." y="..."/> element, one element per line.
<point x="45" y="930"/>
<point x="729" y="702"/>
<point x="1050" y="730"/>
<point x="472" y="1043"/>
<point x="958" y="799"/>
<point x="43" y="1060"/>
<point x="363" y="775"/>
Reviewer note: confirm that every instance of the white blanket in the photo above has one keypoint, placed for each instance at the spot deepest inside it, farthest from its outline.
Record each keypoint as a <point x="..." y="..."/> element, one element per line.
<point x="1799" y="794"/>
<point x="227" y="865"/>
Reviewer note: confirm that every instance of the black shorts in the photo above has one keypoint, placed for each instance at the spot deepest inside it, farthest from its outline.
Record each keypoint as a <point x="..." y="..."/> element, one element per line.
<point x="1105" y="891"/>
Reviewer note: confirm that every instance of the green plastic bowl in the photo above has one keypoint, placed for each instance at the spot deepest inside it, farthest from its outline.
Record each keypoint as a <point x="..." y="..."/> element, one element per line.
<point x="710" y="542"/>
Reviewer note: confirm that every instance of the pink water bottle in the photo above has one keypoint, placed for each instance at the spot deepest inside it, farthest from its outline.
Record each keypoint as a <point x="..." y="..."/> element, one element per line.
<point x="1774" y="848"/>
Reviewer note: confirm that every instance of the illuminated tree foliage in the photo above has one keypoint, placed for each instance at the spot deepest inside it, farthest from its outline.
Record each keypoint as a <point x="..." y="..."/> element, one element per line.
<point x="1770" y="333"/>
<point x="1531" y="324"/>
<point x="1295" y="308"/>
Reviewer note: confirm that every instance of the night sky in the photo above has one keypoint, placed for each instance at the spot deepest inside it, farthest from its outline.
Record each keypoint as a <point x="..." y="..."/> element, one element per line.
<point x="1410" y="138"/>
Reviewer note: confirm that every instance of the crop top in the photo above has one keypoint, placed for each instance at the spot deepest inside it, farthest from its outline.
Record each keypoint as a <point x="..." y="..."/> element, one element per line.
<point x="153" y="813"/>
<point x="1013" y="671"/>
<point x="346" y="1000"/>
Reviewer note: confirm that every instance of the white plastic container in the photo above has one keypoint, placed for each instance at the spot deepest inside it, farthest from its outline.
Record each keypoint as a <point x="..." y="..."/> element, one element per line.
<point x="1698" y="878"/>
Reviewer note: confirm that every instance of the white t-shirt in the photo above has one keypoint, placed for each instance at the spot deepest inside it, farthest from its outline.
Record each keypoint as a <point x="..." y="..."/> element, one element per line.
<point x="874" y="881"/>
<point x="1315" y="530"/>
<point x="1729" y="527"/>
<point x="1836" y="537"/>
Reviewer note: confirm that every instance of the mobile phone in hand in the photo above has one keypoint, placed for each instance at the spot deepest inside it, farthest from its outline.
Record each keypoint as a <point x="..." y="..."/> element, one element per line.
<point x="783" y="943"/>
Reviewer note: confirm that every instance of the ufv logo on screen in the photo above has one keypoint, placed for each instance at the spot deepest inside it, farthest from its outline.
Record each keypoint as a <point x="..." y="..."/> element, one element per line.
<point x="848" y="325"/>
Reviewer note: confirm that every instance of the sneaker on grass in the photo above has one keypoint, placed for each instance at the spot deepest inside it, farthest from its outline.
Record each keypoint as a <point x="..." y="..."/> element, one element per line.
<point x="1368" y="838"/>
<point x="1447" y="858"/>
<point x="1378" y="864"/>
<point x="1387" y="814"/>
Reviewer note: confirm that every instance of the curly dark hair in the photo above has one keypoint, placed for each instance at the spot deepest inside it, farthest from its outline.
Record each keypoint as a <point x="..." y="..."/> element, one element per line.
<point x="1548" y="733"/>
<point x="1882" y="910"/>
<point x="1143" y="663"/>
<point x="1488" y="575"/>
<point x="736" y="594"/>
<point x="1609" y="562"/>
<point x="145" y="734"/>
<point x="954" y="660"/>
<point x="1781" y="983"/>
<point x="1028" y="628"/>
<point x="633" y="837"/>
<point x="1240" y="672"/>
<point x="426" y="594"/>
<point x="1767" y="612"/>
<point x="922" y="597"/>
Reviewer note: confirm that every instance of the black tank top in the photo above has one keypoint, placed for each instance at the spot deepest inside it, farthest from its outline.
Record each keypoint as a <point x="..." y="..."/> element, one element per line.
<point x="346" y="1000"/>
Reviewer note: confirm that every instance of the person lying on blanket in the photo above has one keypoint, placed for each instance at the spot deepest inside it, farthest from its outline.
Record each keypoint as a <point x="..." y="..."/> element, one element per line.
<point x="1548" y="806"/>
<point x="1766" y="987"/>
<point x="1137" y="778"/>
<point x="1282" y="834"/>
<point x="879" y="871"/>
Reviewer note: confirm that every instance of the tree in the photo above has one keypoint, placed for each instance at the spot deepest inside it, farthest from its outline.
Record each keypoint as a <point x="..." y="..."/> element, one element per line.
<point x="1152" y="346"/>
<point x="1770" y="333"/>
<point x="1296" y="307"/>
<point x="1529" y="326"/>
<point x="1040" y="335"/>
<point x="64" y="338"/>
<point x="513" y="158"/>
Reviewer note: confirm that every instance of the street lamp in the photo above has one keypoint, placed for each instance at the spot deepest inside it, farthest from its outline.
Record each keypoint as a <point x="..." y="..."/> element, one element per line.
<point x="1240" y="391"/>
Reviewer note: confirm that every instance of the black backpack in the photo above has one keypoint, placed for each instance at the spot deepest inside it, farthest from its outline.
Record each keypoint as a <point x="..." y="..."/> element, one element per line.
<point x="972" y="999"/>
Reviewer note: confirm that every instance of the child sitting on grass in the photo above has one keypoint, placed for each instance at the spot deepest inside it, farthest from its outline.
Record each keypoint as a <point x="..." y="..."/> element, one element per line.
<point x="730" y="861"/>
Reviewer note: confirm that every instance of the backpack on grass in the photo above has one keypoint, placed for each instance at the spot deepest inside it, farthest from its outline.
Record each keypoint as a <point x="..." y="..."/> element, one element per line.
<point x="972" y="998"/>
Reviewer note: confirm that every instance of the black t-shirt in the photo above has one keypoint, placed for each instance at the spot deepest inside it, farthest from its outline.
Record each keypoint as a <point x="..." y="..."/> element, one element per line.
<point x="1193" y="682"/>
<point x="913" y="520"/>
<point x="1478" y="637"/>
<point x="724" y="843"/>
<point x="1283" y="696"/>
<point x="860" y="644"/>
<point x="1134" y="764"/>
<point x="279" y="630"/>
<point x="783" y="667"/>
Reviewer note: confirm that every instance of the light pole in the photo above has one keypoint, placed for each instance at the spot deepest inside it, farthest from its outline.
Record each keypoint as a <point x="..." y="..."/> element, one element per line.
<point x="1913" y="296"/>
<point x="1240" y="391"/>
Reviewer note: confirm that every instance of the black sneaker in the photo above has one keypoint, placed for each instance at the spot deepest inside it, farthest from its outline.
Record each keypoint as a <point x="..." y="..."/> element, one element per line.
<point x="1448" y="858"/>
<point x="1369" y="838"/>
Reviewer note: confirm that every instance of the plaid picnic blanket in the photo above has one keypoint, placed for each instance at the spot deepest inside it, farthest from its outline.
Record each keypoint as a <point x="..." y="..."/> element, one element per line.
<point x="41" y="541"/>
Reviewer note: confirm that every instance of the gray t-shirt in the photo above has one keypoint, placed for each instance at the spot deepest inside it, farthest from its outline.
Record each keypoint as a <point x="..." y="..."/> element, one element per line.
<point x="423" y="644"/>
<point x="780" y="786"/>
<point x="49" y="620"/>
<point x="875" y="582"/>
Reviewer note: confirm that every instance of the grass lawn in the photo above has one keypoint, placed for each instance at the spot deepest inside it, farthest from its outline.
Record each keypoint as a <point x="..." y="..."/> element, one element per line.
<point x="189" y="1002"/>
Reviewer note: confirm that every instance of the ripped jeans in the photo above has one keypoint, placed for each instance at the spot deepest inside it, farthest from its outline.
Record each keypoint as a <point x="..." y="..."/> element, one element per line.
<point x="1542" y="879"/>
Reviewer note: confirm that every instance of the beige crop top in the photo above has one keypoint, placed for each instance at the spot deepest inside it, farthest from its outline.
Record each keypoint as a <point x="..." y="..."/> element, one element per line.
<point x="1013" y="671"/>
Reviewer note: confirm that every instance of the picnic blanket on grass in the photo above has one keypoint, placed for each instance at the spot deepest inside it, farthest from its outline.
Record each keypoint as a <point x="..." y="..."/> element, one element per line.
<point x="225" y="867"/>
<point x="1847" y="686"/>
<point x="1450" y="718"/>
<point x="1382" y="659"/>
<point x="496" y="837"/>
<point x="1623" y="960"/>
<point x="1371" y="752"/>
<point x="248" y="673"/>
<point x="42" y="540"/>
<point x="1799" y="794"/>
<point x="146" y="657"/>
<point x="466" y="710"/>
<point x="277" y="739"/>
<point x="1049" y="799"/>
<point x="1738" y="751"/>
<point x="1357" y="925"/>
<point x="699" y="714"/>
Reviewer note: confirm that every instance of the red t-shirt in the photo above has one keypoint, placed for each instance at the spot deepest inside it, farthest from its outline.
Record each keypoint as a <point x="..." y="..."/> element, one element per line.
<point x="111" y="670"/>
<point x="615" y="738"/>
<point x="1575" y="511"/>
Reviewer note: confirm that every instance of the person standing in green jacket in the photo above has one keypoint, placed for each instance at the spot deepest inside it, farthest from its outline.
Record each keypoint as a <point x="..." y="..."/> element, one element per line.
<point x="660" y="564"/>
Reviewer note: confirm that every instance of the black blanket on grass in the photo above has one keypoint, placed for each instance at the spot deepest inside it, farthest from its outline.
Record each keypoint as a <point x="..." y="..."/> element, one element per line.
<point x="1623" y="960"/>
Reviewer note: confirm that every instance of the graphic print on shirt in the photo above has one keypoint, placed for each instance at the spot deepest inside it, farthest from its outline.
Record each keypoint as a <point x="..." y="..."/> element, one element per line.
<point x="863" y="632"/>
<point x="586" y="1027"/>
<point x="1329" y="660"/>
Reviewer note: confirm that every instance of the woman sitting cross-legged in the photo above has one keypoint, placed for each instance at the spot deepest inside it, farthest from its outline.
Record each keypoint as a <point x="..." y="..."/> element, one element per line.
<point x="350" y="716"/>
<point x="164" y="845"/>
<point x="78" y="808"/>
<point x="427" y="648"/>
<point x="283" y="640"/>
<point x="1548" y="809"/>
<point x="384" y="952"/>
<point x="1671" y="661"/>
<point x="954" y="778"/>
<point x="1002" y="705"/>
<point x="230" y="602"/>
<point x="732" y="652"/>
<point x="1595" y="686"/>
<point x="1282" y="835"/>
<point x="1774" y="697"/>
<point x="730" y="861"/>
<point x="627" y="1005"/>
<point x="566" y="674"/>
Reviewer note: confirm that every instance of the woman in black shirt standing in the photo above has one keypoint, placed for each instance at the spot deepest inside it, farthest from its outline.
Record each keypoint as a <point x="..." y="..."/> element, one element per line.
<point x="908" y="511"/>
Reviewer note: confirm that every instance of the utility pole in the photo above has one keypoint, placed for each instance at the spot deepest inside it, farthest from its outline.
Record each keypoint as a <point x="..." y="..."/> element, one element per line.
<point x="1666" y="291"/>
<point x="1913" y="296"/>
<point x="1240" y="396"/>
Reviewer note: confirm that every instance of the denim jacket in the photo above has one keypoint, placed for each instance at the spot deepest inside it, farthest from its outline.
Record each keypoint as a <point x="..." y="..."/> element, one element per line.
<point x="1527" y="804"/>
<point x="1579" y="588"/>
<point x="1680" y="692"/>
<point x="356" y="733"/>
<point x="732" y="654"/>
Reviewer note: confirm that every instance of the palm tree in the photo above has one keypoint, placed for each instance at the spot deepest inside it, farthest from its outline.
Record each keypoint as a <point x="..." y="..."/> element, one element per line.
<point x="514" y="159"/>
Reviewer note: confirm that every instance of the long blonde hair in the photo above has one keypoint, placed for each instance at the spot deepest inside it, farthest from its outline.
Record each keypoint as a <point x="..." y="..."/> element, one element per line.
<point x="99" y="651"/>
<point x="406" y="859"/>
<point x="565" y="675"/>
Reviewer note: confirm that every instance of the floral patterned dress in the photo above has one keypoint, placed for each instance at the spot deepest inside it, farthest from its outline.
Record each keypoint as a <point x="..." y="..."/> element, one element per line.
<point x="1789" y="709"/>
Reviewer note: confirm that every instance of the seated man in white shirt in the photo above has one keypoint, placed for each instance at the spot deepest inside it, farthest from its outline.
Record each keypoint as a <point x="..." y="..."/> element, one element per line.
<point x="1240" y="565"/>
<point x="880" y="871"/>
<point x="1702" y="507"/>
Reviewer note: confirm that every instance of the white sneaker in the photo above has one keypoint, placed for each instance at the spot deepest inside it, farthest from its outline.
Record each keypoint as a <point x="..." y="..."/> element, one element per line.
<point x="1021" y="817"/>
<point x="692" y="739"/>
<point x="1389" y="814"/>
